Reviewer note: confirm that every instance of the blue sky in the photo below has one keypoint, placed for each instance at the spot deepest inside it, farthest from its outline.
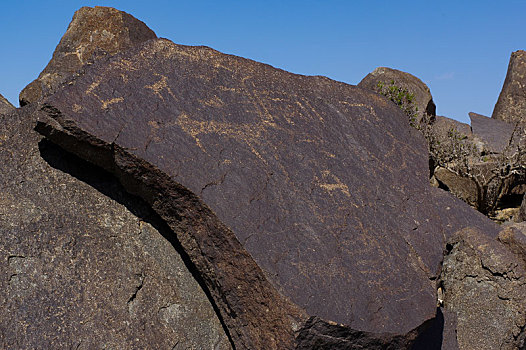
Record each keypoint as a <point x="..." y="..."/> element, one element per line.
<point x="461" y="49"/>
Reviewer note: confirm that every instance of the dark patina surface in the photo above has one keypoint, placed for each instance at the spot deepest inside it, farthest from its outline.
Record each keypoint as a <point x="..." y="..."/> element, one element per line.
<point x="293" y="195"/>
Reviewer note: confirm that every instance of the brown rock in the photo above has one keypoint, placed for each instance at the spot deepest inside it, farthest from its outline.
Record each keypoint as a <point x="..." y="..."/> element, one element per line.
<point x="460" y="186"/>
<point x="84" y="265"/>
<point x="514" y="236"/>
<point x="293" y="196"/>
<point x="5" y="106"/>
<point x="484" y="284"/>
<point x="423" y="99"/>
<point x="442" y="125"/>
<point x="92" y="32"/>
<point x="511" y="105"/>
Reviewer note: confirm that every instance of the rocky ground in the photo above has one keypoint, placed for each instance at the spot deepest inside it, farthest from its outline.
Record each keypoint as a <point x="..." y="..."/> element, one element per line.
<point x="158" y="196"/>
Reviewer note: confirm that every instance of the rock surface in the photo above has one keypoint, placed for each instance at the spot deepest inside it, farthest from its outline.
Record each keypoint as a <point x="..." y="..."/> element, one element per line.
<point x="293" y="196"/>
<point x="511" y="105"/>
<point x="92" y="32"/>
<point x="442" y="125"/>
<point x="460" y="186"/>
<point x="423" y="98"/>
<point x="5" y="105"/>
<point x="84" y="265"/>
<point x="484" y="284"/>
<point x="496" y="134"/>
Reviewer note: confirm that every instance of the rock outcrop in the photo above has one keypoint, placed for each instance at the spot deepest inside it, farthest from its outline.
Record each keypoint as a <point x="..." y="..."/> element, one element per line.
<point x="5" y="105"/>
<point x="511" y="105"/>
<point x="92" y="33"/>
<point x="483" y="282"/>
<point x="301" y="201"/>
<point x="495" y="134"/>
<point x="83" y="264"/>
<point x="422" y="95"/>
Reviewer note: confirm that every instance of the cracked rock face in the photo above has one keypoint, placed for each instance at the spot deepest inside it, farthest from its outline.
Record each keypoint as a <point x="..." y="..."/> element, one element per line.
<point x="294" y="196"/>
<point x="511" y="105"/>
<point x="484" y="284"/>
<point x="5" y="105"/>
<point x="92" y="32"/>
<point x="83" y="265"/>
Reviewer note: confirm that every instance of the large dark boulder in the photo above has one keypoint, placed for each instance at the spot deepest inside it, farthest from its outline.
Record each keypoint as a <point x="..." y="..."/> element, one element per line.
<point x="388" y="76"/>
<point x="300" y="200"/>
<point x="511" y="105"/>
<point x="83" y="264"/>
<point x="92" y="33"/>
<point x="5" y="105"/>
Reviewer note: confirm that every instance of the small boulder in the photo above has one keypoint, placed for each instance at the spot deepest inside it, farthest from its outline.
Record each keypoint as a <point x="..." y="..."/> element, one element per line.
<point x="91" y="32"/>
<point x="511" y="105"/>
<point x="444" y="124"/>
<point x="461" y="186"/>
<point x="422" y="95"/>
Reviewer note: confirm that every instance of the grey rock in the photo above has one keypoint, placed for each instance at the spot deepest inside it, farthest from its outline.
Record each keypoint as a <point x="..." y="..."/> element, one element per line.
<point x="484" y="284"/>
<point x="496" y="134"/>
<point x="92" y="33"/>
<point x="84" y="265"/>
<point x="511" y="105"/>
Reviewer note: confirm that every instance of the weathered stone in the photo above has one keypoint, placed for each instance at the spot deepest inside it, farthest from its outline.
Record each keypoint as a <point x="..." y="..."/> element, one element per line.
<point x="5" y="105"/>
<point x="84" y="265"/>
<point x="484" y="284"/>
<point x="511" y="105"/>
<point x="442" y="125"/>
<point x="460" y="186"/>
<point x="496" y="134"/>
<point x="293" y="196"/>
<point x="423" y="99"/>
<point x="92" y="32"/>
<point x="514" y="236"/>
